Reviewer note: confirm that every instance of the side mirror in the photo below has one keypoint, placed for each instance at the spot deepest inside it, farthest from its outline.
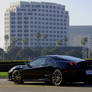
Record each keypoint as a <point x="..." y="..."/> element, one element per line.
<point x="27" y="63"/>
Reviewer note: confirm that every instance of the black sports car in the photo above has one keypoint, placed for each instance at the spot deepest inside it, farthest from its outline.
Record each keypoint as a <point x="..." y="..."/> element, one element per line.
<point x="55" y="69"/>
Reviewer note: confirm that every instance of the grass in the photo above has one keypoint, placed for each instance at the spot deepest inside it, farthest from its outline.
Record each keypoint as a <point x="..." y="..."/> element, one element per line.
<point x="3" y="74"/>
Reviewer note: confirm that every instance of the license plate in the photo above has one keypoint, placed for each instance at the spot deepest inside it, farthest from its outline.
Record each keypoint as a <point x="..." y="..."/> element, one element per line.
<point x="88" y="72"/>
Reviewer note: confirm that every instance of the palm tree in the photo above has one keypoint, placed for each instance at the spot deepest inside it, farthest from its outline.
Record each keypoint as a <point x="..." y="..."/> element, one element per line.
<point x="58" y="42"/>
<point x="14" y="40"/>
<point x="65" y="40"/>
<point x="6" y="37"/>
<point x="83" y="43"/>
<point x="25" y="41"/>
<point x="38" y="35"/>
<point x="45" y="36"/>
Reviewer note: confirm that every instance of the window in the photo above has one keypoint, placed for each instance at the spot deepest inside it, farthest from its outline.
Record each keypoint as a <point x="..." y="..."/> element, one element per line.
<point x="46" y="6"/>
<point x="38" y="62"/>
<point x="19" y="14"/>
<point x="12" y="14"/>
<point x="29" y="14"/>
<point x="50" y="6"/>
<point x="57" y="11"/>
<point x="42" y="6"/>
<point x="27" y="5"/>
<point x="26" y="18"/>
<point x="19" y="35"/>
<point x="26" y="34"/>
<point x="37" y="5"/>
<point x="57" y="31"/>
<point x="54" y="7"/>
<point x="58" y="59"/>
<point x="23" y="9"/>
<point x="33" y="9"/>
<point x="65" y="20"/>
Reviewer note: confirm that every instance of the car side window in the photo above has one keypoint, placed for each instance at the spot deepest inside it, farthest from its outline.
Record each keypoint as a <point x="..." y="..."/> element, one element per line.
<point x="50" y="61"/>
<point x="38" y="62"/>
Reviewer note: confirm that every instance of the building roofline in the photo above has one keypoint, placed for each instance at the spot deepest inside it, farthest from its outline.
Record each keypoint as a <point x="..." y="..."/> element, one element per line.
<point x="80" y="25"/>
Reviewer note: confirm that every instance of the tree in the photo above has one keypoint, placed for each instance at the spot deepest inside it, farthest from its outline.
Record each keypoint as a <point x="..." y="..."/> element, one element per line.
<point x="73" y="52"/>
<point x="24" y="53"/>
<point x="6" y="37"/>
<point x="14" y="41"/>
<point x="84" y="51"/>
<point x="45" y="36"/>
<point x="84" y="41"/>
<point x="65" y="40"/>
<point x="12" y="51"/>
<point x="38" y="35"/>
<point x="25" y="41"/>
<point x="2" y="53"/>
<point x="58" y="42"/>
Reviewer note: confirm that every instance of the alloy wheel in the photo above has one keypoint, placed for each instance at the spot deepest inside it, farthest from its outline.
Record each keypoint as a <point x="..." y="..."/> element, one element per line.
<point x="57" y="77"/>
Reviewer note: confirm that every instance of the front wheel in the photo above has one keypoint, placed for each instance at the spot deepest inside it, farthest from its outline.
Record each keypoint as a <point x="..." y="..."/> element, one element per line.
<point x="57" y="77"/>
<point x="17" y="77"/>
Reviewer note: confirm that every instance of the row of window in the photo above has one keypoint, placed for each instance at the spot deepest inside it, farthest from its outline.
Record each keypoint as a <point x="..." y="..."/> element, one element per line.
<point x="40" y="27"/>
<point x="43" y="6"/>
<point x="39" y="14"/>
<point x="37" y="44"/>
<point x="40" y="10"/>
<point x="36" y="22"/>
<point x="27" y="31"/>
<point x="38" y="18"/>
<point x="26" y="35"/>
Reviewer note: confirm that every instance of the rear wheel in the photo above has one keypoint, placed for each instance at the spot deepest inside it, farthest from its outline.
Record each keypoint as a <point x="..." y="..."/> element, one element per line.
<point x="57" y="77"/>
<point x="17" y="77"/>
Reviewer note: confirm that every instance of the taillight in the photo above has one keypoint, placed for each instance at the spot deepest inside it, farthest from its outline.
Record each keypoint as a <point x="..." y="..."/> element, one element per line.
<point x="72" y="63"/>
<point x="75" y="63"/>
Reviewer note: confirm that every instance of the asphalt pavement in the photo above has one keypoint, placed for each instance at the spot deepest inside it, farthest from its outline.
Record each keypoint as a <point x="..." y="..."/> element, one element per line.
<point x="7" y="86"/>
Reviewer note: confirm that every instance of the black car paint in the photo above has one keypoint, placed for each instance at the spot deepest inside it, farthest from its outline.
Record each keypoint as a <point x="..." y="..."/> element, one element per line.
<point x="74" y="73"/>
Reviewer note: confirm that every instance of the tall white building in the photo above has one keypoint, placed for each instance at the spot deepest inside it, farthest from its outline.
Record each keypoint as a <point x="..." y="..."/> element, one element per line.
<point x="23" y="20"/>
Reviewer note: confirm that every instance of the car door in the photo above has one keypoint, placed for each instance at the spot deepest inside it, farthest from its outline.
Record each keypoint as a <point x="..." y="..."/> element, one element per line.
<point x="36" y="69"/>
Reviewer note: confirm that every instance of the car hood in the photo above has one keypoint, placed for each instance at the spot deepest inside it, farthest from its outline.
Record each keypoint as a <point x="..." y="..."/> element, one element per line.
<point x="17" y="67"/>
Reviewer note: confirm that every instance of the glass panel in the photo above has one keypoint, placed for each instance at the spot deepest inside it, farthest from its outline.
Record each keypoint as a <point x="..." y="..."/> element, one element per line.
<point x="38" y="62"/>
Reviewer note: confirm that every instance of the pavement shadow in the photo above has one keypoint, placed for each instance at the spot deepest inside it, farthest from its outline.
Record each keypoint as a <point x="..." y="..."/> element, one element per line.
<point x="37" y="83"/>
<point x="77" y="84"/>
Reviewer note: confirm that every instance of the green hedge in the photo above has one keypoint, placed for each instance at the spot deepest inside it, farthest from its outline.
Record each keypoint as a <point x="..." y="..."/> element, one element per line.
<point x="88" y="59"/>
<point x="14" y="60"/>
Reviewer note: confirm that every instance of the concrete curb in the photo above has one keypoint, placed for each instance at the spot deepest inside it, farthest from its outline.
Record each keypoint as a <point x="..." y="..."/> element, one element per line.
<point x="3" y="77"/>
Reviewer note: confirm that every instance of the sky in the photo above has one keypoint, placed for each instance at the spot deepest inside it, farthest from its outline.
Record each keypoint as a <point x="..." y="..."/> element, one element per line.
<point x="80" y="12"/>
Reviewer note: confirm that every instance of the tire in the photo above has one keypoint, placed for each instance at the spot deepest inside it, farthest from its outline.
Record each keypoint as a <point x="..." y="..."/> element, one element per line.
<point x="87" y="82"/>
<point x="10" y="78"/>
<point x="17" y="77"/>
<point x="57" y="77"/>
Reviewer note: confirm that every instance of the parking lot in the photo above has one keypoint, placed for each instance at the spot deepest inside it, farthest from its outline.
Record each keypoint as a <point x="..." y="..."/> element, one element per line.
<point x="7" y="86"/>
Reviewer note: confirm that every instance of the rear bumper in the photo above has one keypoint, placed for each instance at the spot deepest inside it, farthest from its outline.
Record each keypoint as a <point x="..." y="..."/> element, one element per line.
<point x="88" y="77"/>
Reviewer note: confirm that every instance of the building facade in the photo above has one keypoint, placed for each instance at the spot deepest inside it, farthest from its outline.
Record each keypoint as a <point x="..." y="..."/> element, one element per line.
<point x="77" y="33"/>
<point x="29" y="24"/>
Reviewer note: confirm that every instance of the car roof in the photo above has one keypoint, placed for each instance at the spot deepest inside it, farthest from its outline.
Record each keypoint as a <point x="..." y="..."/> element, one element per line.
<point x="71" y="58"/>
